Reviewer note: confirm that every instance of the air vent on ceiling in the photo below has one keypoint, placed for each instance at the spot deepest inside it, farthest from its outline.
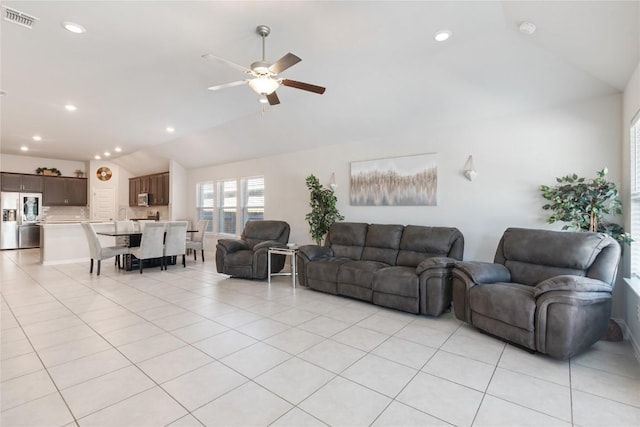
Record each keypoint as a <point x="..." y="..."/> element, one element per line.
<point x="19" y="18"/>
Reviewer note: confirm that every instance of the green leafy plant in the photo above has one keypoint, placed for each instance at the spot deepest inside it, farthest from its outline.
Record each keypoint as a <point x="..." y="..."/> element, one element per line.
<point x="585" y="203"/>
<point x="323" y="209"/>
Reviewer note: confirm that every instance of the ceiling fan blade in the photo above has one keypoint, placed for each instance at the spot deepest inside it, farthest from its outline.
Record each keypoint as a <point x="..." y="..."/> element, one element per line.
<point x="273" y="99"/>
<point x="227" y="62"/>
<point x="283" y="63"/>
<point x="226" y="85"/>
<point x="304" y="86"/>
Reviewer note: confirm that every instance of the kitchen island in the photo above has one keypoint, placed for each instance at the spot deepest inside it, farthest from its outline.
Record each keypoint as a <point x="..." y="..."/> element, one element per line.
<point x="64" y="242"/>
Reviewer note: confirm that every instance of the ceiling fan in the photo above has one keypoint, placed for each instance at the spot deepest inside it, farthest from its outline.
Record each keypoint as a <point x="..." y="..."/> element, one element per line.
<point x="265" y="79"/>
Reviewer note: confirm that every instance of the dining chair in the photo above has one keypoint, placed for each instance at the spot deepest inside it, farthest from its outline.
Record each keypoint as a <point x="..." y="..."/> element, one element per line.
<point x="126" y="226"/>
<point x="197" y="239"/>
<point x="175" y="241"/>
<point x="151" y="243"/>
<point x="99" y="252"/>
<point x="143" y="222"/>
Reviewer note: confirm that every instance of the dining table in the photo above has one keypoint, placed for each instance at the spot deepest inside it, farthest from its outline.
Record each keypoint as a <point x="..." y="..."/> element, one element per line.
<point x="133" y="239"/>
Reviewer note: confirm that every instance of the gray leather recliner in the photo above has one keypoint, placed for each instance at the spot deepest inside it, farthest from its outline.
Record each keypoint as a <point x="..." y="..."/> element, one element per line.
<point x="247" y="257"/>
<point x="548" y="291"/>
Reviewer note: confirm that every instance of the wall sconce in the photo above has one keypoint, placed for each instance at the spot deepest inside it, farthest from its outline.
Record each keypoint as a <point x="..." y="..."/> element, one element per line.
<point x="470" y="169"/>
<point x="332" y="181"/>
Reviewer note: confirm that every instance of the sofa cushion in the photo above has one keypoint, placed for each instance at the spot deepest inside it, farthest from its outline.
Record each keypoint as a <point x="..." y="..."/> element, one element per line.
<point x="510" y="303"/>
<point x="359" y="273"/>
<point x="347" y="239"/>
<point x="420" y="242"/>
<point x="382" y="243"/>
<point x="536" y="255"/>
<point x="325" y="269"/>
<point x="260" y="230"/>
<point x="401" y="281"/>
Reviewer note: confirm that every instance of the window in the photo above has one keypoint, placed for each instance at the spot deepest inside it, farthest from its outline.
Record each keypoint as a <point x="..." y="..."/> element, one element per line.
<point x="204" y="203"/>
<point x="227" y="206"/>
<point x="635" y="196"/>
<point x="252" y="199"/>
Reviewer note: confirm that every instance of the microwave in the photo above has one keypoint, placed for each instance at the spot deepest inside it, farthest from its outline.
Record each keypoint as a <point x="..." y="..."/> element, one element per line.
<point x="143" y="199"/>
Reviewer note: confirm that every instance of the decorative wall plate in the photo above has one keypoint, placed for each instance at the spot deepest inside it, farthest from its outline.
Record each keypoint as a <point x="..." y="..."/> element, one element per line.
<point x="104" y="173"/>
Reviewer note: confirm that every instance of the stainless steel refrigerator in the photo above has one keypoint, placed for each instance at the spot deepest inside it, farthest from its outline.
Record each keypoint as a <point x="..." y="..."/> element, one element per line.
<point x="19" y="223"/>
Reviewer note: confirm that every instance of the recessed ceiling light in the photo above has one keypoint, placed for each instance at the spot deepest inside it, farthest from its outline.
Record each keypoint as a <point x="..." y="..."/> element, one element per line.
<point x="24" y="148"/>
<point x="96" y="157"/>
<point x="170" y="129"/>
<point x="72" y="27"/>
<point x="117" y="149"/>
<point x="70" y="107"/>
<point x="107" y="154"/>
<point x="36" y="138"/>
<point x="527" y="27"/>
<point x="442" y="35"/>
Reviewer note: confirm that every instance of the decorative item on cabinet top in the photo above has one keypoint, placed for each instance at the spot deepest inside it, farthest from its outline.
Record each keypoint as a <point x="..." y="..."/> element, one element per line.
<point x="48" y="171"/>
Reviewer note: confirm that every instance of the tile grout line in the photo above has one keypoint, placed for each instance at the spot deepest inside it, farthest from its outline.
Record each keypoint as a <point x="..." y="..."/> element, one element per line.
<point x="75" y="420"/>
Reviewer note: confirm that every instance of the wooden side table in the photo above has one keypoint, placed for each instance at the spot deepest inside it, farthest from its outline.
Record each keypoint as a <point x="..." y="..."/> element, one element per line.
<point x="283" y="251"/>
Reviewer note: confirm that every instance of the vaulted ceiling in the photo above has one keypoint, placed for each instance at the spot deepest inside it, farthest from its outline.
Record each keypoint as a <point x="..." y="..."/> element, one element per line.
<point x="138" y="69"/>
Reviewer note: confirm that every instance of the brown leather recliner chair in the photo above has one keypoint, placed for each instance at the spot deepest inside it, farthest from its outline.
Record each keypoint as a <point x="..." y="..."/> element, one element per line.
<point x="548" y="291"/>
<point x="247" y="257"/>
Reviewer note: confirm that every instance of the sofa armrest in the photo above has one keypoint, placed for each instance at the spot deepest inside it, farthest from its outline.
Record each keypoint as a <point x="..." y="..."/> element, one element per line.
<point x="571" y="283"/>
<point x="311" y="252"/>
<point x="484" y="272"/>
<point x="269" y="244"/>
<point x="435" y="262"/>
<point x="467" y="274"/>
<point x="233" y="245"/>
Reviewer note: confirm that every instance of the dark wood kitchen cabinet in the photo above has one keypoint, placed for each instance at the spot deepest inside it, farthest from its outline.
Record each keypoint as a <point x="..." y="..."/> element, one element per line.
<point x="21" y="182"/>
<point x="134" y="190"/>
<point x="64" y="191"/>
<point x="156" y="185"/>
<point x="159" y="189"/>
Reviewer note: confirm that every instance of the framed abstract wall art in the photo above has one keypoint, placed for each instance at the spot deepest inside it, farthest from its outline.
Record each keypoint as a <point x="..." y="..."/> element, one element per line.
<point x="395" y="181"/>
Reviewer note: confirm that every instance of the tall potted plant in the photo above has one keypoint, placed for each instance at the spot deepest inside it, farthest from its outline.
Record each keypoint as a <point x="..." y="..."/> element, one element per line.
<point x="585" y="204"/>
<point x="323" y="209"/>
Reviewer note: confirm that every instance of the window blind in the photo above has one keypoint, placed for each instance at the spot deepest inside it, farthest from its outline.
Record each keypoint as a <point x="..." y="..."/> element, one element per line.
<point x="228" y="203"/>
<point x="253" y="199"/>
<point x="635" y="195"/>
<point x="205" y="203"/>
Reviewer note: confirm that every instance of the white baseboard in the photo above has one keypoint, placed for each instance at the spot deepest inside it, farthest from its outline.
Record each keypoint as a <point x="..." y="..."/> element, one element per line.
<point x="66" y="261"/>
<point x="626" y="333"/>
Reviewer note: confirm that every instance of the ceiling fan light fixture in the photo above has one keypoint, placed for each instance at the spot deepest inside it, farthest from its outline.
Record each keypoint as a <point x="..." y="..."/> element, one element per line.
<point x="264" y="85"/>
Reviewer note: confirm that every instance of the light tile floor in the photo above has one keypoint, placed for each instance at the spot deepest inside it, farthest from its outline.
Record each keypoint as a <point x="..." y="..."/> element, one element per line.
<point x="190" y="347"/>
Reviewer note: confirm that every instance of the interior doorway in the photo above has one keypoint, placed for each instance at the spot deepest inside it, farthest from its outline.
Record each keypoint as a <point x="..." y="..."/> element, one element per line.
<point x="103" y="204"/>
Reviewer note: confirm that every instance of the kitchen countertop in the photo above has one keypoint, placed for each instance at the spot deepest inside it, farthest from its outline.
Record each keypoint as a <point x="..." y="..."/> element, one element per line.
<point x="67" y="221"/>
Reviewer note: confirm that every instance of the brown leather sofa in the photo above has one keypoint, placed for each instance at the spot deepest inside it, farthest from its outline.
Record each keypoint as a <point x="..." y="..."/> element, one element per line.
<point x="402" y="267"/>
<point x="547" y="291"/>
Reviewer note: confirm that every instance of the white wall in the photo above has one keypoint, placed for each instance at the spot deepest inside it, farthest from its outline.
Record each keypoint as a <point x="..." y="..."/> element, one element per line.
<point x="626" y="300"/>
<point x="513" y="156"/>
<point x="29" y="164"/>
<point x="179" y="190"/>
